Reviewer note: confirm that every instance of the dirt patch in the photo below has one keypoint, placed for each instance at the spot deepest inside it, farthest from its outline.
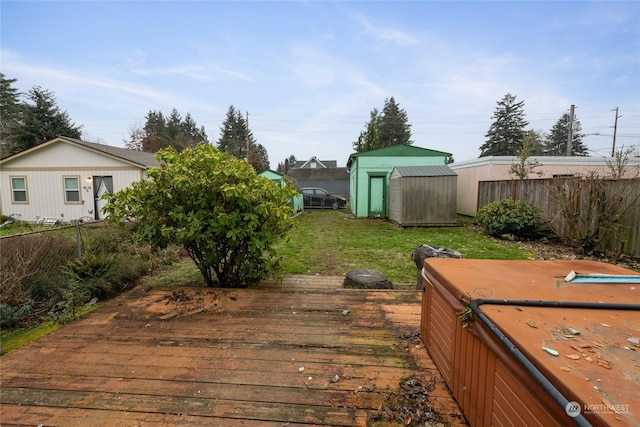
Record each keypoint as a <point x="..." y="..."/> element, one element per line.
<point x="182" y="302"/>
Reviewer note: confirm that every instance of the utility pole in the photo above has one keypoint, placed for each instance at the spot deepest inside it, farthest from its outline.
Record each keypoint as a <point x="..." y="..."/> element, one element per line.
<point x="570" y="137"/>
<point x="615" y="130"/>
<point x="246" y="139"/>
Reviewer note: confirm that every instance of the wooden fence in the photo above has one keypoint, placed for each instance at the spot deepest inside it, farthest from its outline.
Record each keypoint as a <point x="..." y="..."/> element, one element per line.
<point x="588" y="200"/>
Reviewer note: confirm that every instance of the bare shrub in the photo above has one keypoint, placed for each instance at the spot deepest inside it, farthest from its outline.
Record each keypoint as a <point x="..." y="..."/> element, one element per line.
<point x="591" y="209"/>
<point x="25" y="258"/>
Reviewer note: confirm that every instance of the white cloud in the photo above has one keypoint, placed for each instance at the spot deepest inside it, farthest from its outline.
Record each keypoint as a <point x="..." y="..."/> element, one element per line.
<point x="384" y="34"/>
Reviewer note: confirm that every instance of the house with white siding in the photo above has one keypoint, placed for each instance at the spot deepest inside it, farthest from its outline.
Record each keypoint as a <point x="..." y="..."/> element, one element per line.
<point x="64" y="179"/>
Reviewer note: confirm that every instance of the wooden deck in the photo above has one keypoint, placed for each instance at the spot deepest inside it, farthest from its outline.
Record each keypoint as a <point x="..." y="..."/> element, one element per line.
<point x="193" y="357"/>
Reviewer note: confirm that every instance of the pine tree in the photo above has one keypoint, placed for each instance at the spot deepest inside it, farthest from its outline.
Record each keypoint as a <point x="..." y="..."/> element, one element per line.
<point x="384" y="129"/>
<point x="10" y="108"/>
<point x="536" y="140"/>
<point x="172" y="131"/>
<point x="41" y="120"/>
<point x="369" y="138"/>
<point x="235" y="138"/>
<point x="506" y="134"/>
<point x="394" y="127"/>
<point x="555" y="143"/>
<point x="154" y="131"/>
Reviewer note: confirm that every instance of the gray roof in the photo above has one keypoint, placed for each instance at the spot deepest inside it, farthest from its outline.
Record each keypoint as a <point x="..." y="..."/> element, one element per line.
<point x="141" y="158"/>
<point x="307" y="164"/>
<point x="425" y="171"/>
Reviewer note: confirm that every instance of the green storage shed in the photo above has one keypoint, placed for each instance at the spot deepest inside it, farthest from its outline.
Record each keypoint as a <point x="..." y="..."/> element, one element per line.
<point x="369" y="173"/>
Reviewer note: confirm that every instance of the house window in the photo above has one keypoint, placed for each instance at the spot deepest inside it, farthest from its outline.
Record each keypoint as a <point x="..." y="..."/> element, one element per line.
<point x="71" y="189"/>
<point x="313" y="165"/>
<point x="19" y="189"/>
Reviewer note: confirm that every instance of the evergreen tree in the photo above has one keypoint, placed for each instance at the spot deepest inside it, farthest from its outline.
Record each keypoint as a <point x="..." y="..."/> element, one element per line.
<point x="154" y="131"/>
<point x="190" y="129"/>
<point x="536" y="142"/>
<point x="236" y="138"/>
<point x="281" y="165"/>
<point x="506" y="134"/>
<point x="163" y="132"/>
<point x="41" y="120"/>
<point x="393" y="127"/>
<point x="10" y="114"/>
<point x="384" y="129"/>
<point x="555" y="143"/>
<point x="369" y="138"/>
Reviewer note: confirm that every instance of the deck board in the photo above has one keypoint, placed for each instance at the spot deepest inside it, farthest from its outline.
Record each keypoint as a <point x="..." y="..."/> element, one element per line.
<point x="235" y="361"/>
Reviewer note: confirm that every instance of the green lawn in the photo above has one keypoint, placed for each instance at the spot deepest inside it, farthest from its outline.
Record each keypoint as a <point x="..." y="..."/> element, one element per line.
<point x="333" y="243"/>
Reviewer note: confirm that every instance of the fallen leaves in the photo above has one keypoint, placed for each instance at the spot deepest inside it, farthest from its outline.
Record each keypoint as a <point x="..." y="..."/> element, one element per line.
<point x="410" y="404"/>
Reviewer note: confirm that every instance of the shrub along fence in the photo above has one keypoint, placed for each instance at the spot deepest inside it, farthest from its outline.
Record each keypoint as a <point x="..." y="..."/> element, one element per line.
<point x="43" y="272"/>
<point x="576" y="207"/>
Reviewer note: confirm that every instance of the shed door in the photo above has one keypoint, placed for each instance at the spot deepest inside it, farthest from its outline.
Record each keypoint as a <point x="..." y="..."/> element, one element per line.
<point x="377" y="197"/>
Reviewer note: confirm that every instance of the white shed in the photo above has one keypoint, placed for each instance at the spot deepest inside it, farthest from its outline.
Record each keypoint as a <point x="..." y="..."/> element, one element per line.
<point x="64" y="178"/>
<point x="422" y="195"/>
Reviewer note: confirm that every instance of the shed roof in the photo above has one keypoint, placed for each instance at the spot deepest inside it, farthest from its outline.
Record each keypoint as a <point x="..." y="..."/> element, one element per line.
<point x="438" y="170"/>
<point x="398" y="150"/>
<point x="139" y="158"/>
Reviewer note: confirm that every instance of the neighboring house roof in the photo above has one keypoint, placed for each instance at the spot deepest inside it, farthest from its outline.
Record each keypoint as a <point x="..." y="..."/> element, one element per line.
<point x="398" y="150"/>
<point x="138" y="158"/>
<point x="408" y="171"/>
<point x="322" y="173"/>
<point x="321" y="163"/>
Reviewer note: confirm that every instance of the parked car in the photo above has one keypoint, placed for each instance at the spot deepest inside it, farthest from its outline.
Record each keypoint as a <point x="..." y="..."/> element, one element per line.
<point x="319" y="198"/>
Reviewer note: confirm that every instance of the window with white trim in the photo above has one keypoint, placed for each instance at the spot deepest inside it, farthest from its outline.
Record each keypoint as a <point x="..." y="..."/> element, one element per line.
<point x="19" y="189"/>
<point x="71" y="189"/>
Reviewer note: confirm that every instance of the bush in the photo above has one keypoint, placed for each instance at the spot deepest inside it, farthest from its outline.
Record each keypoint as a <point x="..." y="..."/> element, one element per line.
<point x="214" y="206"/>
<point x="508" y="216"/>
<point x="7" y="219"/>
<point x="9" y="316"/>
<point x="105" y="239"/>
<point x="42" y="270"/>
<point x="25" y="259"/>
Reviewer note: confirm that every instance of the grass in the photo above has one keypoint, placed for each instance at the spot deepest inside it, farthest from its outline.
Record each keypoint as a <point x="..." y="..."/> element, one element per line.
<point x="333" y="243"/>
<point x="19" y="337"/>
<point x="15" y="339"/>
<point x="329" y="242"/>
<point x="26" y="227"/>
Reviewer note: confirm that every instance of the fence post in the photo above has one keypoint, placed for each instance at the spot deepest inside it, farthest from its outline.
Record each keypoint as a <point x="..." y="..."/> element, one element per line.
<point x="78" y="240"/>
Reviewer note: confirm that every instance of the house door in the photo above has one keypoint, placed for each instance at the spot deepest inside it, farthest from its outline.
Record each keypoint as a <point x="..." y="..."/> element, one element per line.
<point x="101" y="185"/>
<point x="377" y="201"/>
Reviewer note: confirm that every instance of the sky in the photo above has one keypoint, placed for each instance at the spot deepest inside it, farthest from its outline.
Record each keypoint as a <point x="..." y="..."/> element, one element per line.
<point x="308" y="73"/>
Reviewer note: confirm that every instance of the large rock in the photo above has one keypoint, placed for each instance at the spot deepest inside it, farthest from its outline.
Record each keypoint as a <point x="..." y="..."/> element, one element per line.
<point x="430" y="251"/>
<point x="366" y="279"/>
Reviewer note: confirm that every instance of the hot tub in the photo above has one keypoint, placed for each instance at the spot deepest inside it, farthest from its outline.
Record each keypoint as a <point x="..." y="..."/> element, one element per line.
<point x="524" y="343"/>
